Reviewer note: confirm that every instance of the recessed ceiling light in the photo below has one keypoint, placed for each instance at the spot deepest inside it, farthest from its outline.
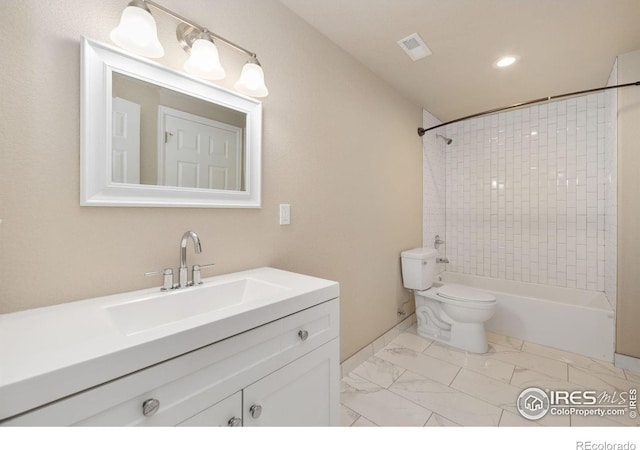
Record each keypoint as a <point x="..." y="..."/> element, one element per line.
<point x="506" y="61"/>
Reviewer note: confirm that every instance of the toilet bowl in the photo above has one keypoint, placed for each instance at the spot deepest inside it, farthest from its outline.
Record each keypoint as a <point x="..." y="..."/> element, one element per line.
<point x="452" y="314"/>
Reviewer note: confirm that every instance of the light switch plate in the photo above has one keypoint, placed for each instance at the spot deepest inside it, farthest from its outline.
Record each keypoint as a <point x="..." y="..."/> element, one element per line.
<point x="285" y="214"/>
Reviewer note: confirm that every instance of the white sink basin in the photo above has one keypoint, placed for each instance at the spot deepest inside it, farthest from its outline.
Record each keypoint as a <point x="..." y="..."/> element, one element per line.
<point x="58" y="350"/>
<point x="165" y="308"/>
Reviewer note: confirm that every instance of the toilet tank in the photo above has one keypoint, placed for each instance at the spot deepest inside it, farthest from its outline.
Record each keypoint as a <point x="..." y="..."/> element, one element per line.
<point x="418" y="268"/>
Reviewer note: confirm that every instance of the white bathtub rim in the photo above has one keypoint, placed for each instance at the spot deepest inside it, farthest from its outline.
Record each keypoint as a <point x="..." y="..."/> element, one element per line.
<point x="591" y="331"/>
<point x="502" y="287"/>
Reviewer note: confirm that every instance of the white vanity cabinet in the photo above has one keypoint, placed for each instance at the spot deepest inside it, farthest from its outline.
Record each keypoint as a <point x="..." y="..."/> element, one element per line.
<point x="299" y="394"/>
<point x="285" y="372"/>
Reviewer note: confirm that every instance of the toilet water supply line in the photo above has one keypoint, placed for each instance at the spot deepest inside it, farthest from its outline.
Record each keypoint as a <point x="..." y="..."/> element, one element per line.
<point x="422" y="131"/>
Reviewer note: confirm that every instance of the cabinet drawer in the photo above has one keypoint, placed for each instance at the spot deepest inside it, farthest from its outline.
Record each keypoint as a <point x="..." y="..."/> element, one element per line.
<point x="309" y="329"/>
<point x="191" y="383"/>
<point x="225" y="413"/>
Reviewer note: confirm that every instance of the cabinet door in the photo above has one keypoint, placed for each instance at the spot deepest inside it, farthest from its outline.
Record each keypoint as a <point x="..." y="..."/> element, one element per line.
<point x="225" y="413"/>
<point x="302" y="393"/>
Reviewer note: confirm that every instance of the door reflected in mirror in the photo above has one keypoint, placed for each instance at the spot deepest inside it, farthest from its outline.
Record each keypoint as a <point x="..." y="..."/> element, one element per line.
<point x="162" y="137"/>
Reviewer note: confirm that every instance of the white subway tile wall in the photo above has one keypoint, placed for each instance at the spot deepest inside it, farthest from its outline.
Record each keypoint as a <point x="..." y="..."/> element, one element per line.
<point x="611" y="191"/>
<point x="527" y="193"/>
<point x="434" y="188"/>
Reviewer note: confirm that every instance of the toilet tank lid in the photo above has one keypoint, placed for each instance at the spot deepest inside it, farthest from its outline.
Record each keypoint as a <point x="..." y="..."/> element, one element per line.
<point x="420" y="253"/>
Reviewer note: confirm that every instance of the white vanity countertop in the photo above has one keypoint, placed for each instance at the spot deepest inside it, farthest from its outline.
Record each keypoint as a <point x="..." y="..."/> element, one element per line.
<point x="52" y="352"/>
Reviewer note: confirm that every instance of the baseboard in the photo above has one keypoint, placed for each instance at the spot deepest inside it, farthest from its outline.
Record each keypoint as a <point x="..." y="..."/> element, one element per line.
<point x="626" y="362"/>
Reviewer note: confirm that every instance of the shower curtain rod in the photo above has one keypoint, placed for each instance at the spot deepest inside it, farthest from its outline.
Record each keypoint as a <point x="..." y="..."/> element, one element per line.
<point x="422" y="131"/>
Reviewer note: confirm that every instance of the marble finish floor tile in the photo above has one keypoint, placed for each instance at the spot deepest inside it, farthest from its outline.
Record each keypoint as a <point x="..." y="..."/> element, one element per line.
<point x="438" y="421"/>
<point x="483" y="364"/>
<point x="412" y="341"/>
<point x="425" y="365"/>
<point x="413" y="381"/>
<point x="505" y="341"/>
<point x="600" y="381"/>
<point x="524" y="378"/>
<point x="592" y="421"/>
<point x="495" y="392"/>
<point x="510" y="419"/>
<point x="632" y="376"/>
<point x="454" y="405"/>
<point x="347" y="416"/>
<point x="379" y="371"/>
<point x="363" y="422"/>
<point x="552" y="367"/>
<point x="582" y="362"/>
<point x="379" y="405"/>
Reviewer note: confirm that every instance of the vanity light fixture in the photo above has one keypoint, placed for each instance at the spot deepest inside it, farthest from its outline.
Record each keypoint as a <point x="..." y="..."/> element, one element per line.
<point x="137" y="33"/>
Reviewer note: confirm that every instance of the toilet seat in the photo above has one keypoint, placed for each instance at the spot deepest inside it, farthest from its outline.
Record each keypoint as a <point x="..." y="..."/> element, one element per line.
<point x="464" y="294"/>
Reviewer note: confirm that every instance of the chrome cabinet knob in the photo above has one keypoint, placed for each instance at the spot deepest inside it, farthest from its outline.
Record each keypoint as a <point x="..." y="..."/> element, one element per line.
<point x="303" y="334"/>
<point x="256" y="411"/>
<point x="150" y="407"/>
<point x="235" y="422"/>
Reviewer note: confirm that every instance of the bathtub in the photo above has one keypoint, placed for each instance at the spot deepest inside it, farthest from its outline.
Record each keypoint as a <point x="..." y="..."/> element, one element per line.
<point x="574" y="320"/>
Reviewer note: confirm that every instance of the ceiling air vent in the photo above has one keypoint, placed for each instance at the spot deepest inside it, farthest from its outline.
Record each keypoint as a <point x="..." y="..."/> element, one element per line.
<point x="414" y="46"/>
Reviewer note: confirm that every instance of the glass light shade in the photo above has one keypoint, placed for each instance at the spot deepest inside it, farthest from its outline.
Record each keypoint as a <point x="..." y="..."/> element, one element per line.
<point x="251" y="81"/>
<point x="204" y="61"/>
<point x="137" y="33"/>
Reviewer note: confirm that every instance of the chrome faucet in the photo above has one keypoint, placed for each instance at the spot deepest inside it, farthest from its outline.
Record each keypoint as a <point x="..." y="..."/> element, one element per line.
<point x="182" y="281"/>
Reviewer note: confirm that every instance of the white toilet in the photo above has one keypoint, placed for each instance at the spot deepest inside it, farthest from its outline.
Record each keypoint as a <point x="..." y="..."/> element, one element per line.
<point x="452" y="314"/>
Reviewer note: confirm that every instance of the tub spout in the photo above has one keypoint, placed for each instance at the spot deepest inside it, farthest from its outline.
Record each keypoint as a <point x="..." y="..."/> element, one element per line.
<point x="442" y="260"/>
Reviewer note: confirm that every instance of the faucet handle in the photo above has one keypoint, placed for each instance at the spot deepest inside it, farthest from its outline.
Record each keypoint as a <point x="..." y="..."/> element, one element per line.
<point x="167" y="278"/>
<point x="195" y="275"/>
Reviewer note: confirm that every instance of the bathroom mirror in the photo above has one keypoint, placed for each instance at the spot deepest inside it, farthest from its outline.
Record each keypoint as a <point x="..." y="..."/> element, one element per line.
<point x="152" y="136"/>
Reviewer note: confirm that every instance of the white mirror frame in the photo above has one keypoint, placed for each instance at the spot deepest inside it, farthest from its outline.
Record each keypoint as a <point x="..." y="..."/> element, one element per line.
<point x="98" y="61"/>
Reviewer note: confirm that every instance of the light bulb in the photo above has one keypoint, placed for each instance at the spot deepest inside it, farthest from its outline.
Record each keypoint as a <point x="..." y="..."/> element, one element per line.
<point x="204" y="61"/>
<point x="251" y="81"/>
<point x="137" y="33"/>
